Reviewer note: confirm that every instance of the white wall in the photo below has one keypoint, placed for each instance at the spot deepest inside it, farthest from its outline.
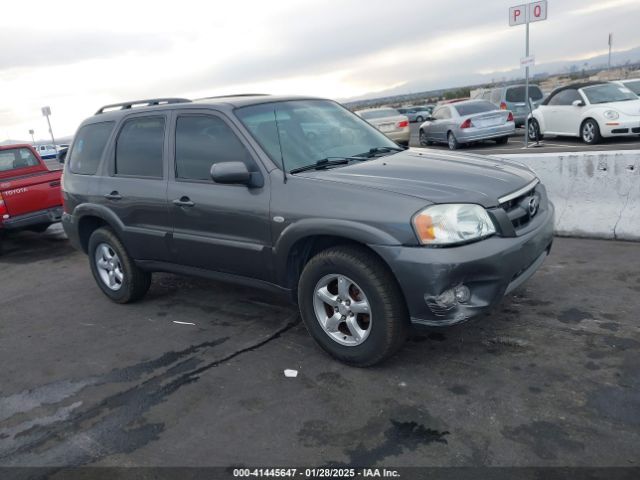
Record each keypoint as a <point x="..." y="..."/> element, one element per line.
<point x="596" y="194"/>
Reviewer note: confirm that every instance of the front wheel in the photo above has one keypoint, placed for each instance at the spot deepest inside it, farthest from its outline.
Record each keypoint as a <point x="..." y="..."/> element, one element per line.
<point x="352" y="306"/>
<point x="424" y="141"/>
<point x="114" y="270"/>
<point x="590" y="132"/>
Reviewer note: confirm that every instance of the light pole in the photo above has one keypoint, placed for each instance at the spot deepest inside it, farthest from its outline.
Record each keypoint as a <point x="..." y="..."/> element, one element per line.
<point x="610" y="45"/>
<point x="46" y="111"/>
<point x="33" y="140"/>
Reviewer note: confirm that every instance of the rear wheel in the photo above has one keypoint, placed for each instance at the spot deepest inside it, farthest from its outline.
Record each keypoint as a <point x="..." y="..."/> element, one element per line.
<point x="590" y="132"/>
<point x="352" y="306"/>
<point x="502" y="140"/>
<point x="114" y="270"/>
<point x="534" y="130"/>
<point x="419" y="119"/>
<point x="452" y="141"/>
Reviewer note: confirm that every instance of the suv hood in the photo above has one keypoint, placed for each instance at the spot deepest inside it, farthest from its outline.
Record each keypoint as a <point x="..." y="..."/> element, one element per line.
<point x="438" y="177"/>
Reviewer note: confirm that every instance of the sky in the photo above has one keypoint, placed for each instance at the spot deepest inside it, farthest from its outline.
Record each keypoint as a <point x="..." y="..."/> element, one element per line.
<point x="77" y="56"/>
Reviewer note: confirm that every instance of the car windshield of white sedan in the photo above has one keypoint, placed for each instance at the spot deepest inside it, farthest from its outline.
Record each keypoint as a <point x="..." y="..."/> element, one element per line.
<point x="301" y="132"/>
<point x="472" y="108"/>
<point x="608" y="93"/>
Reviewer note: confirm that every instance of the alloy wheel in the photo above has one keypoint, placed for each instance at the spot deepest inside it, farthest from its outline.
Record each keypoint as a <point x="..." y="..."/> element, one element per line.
<point x="342" y="309"/>
<point x="109" y="266"/>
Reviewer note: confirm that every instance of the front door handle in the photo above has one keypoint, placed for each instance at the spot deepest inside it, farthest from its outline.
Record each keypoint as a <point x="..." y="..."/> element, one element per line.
<point x="113" y="196"/>
<point x="183" y="202"/>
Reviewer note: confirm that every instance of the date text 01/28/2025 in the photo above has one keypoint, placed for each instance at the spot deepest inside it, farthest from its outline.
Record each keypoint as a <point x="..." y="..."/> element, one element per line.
<point x="315" y="473"/>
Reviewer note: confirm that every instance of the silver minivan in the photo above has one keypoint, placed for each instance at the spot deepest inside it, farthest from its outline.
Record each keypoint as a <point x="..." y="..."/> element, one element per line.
<point x="512" y="98"/>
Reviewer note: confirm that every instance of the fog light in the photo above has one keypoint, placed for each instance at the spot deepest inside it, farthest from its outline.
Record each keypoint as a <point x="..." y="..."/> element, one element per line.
<point x="462" y="293"/>
<point x="446" y="298"/>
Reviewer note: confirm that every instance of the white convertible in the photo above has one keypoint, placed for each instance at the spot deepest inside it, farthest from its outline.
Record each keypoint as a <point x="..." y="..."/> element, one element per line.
<point x="589" y="111"/>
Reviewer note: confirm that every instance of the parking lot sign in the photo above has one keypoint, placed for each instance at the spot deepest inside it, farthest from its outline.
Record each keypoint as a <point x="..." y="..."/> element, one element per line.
<point x="517" y="15"/>
<point x="537" y="11"/>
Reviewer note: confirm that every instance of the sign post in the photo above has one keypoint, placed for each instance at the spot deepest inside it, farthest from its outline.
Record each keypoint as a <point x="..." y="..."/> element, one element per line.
<point x="33" y="140"/>
<point x="527" y="13"/>
<point x="46" y="111"/>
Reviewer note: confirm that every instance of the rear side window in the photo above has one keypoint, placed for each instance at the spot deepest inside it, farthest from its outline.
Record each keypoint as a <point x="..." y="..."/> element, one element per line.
<point x="17" y="158"/>
<point x="565" y="97"/>
<point x="139" y="147"/>
<point x="88" y="146"/>
<point x="517" y="94"/>
<point x="201" y="141"/>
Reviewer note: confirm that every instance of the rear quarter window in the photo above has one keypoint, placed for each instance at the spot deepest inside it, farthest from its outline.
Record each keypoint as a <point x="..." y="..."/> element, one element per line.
<point x="88" y="146"/>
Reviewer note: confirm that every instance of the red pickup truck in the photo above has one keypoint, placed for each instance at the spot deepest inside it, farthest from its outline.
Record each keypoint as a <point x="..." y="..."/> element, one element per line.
<point x="30" y="197"/>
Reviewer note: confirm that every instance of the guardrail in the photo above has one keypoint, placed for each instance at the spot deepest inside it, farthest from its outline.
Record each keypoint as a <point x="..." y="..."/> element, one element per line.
<point x="596" y="194"/>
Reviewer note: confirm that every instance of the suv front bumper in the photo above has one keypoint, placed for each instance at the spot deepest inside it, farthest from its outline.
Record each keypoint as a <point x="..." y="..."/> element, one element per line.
<point x="490" y="268"/>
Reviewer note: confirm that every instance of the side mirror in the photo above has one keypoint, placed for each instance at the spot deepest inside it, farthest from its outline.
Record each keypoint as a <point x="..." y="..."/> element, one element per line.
<point x="62" y="155"/>
<point x="235" y="173"/>
<point x="577" y="103"/>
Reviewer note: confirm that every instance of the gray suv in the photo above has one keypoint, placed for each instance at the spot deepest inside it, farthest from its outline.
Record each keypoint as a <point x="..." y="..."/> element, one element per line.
<point x="301" y="197"/>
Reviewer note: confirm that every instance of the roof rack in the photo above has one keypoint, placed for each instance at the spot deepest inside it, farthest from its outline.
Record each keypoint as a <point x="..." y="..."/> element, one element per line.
<point x="235" y="95"/>
<point x="142" y="103"/>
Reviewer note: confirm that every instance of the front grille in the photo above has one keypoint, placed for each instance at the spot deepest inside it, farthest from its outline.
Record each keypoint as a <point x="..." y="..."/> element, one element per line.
<point x="522" y="209"/>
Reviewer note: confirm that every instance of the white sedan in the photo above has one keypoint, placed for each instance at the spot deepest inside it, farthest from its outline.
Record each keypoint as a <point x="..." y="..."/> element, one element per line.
<point x="589" y="111"/>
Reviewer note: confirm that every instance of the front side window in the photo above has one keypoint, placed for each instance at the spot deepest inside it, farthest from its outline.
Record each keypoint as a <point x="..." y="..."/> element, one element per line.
<point x="634" y="86"/>
<point x="88" y="146"/>
<point x="139" y="147"/>
<point x="608" y="92"/>
<point x="17" y="158"/>
<point x="301" y="132"/>
<point x="203" y="140"/>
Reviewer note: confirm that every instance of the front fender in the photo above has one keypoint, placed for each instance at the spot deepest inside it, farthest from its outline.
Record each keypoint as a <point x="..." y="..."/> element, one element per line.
<point x="307" y="228"/>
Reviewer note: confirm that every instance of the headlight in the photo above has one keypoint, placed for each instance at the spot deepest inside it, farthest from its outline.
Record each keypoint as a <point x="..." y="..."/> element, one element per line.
<point x="611" y="115"/>
<point x="449" y="224"/>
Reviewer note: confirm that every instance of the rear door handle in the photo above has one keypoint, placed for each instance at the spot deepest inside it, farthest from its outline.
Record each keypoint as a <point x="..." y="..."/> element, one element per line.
<point x="113" y="196"/>
<point x="183" y="202"/>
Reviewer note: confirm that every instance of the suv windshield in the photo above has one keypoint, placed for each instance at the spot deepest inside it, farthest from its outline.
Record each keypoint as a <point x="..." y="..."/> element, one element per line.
<point x="301" y="132"/>
<point x="608" y="92"/>
<point x="474" y="107"/>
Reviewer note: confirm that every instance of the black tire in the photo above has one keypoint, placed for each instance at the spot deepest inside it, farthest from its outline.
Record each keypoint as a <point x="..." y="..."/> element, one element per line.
<point x="590" y="132"/>
<point x="40" y="228"/>
<point x="452" y="141"/>
<point x="502" y="140"/>
<point x="389" y="323"/>
<point x="423" y="140"/>
<point x="534" y="131"/>
<point x="135" y="282"/>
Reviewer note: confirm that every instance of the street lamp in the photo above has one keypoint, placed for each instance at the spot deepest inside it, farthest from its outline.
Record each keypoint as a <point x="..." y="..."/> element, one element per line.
<point x="33" y="140"/>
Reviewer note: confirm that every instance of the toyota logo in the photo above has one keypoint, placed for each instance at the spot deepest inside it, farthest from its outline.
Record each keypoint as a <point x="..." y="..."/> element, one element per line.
<point x="533" y="205"/>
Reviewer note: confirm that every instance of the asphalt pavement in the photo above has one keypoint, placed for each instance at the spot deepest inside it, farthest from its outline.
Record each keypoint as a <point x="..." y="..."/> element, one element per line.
<point x="516" y="144"/>
<point x="193" y="374"/>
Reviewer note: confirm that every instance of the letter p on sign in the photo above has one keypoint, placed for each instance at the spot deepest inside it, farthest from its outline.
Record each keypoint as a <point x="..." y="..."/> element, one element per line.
<point x="518" y="15"/>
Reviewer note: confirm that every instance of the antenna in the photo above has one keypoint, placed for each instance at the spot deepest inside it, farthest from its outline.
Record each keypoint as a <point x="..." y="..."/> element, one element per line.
<point x="284" y="169"/>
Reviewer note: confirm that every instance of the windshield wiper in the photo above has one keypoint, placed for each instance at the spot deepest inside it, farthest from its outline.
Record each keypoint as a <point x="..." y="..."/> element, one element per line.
<point x="377" y="150"/>
<point x="326" y="162"/>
